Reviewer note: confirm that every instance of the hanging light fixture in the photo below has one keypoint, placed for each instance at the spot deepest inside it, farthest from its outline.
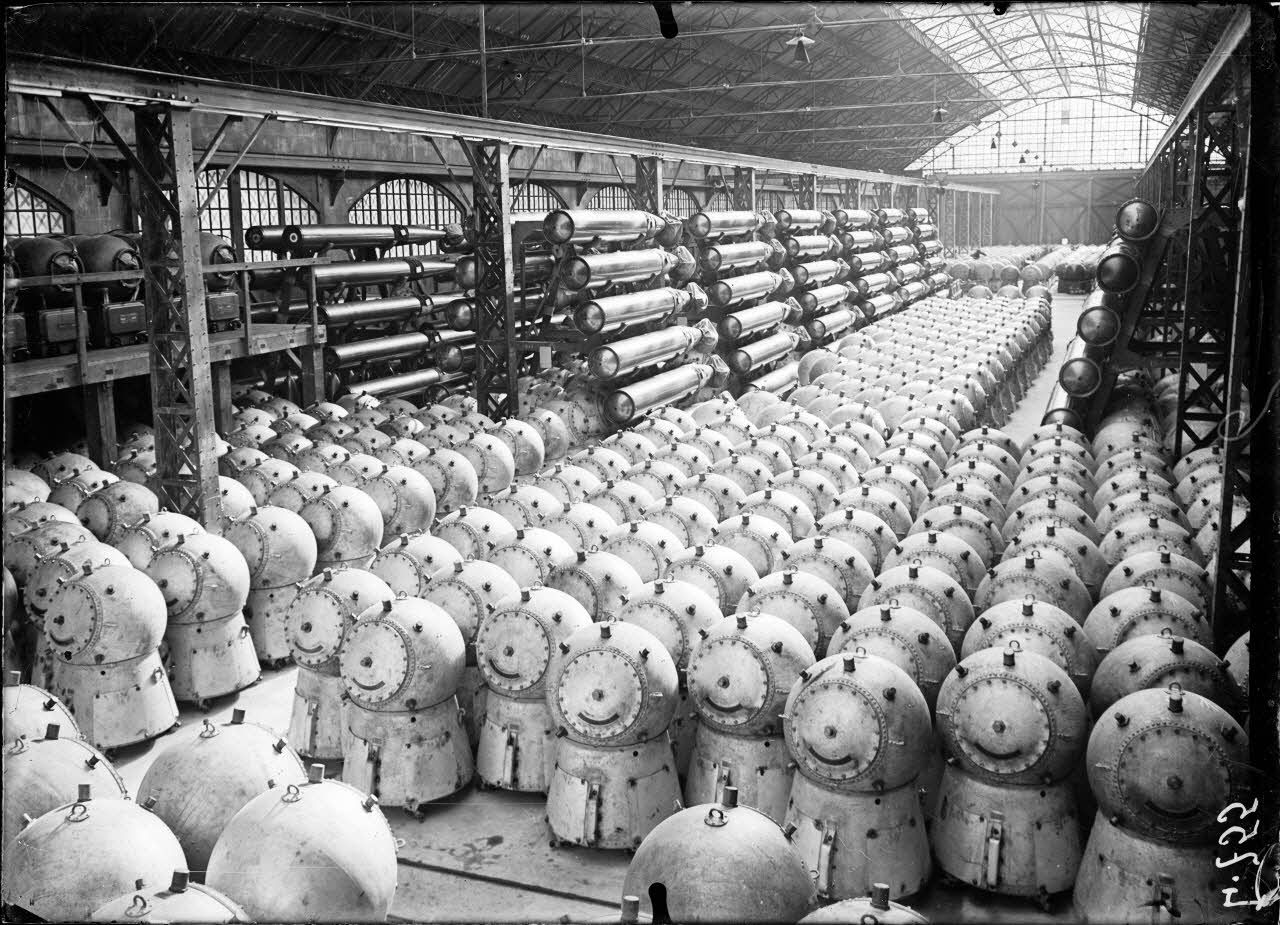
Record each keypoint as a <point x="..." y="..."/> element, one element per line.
<point x="1022" y="158"/>
<point x="515" y="74"/>
<point x="800" y="43"/>
<point x="939" y="112"/>
<point x="993" y="144"/>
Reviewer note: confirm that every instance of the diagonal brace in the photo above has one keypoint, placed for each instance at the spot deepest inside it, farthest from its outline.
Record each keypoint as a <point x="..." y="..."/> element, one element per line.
<point x="235" y="161"/>
<point x="462" y="196"/>
<point x="100" y="167"/>
<point x="126" y="150"/>
<point x="524" y="181"/>
<point x="216" y="142"/>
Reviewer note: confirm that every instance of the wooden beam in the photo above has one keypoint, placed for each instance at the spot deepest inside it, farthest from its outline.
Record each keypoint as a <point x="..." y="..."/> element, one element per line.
<point x="100" y="422"/>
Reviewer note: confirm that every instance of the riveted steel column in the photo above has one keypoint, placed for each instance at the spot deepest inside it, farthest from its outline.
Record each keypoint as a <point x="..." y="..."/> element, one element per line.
<point x="1231" y="592"/>
<point x="649" y="184"/>
<point x="1264" y="497"/>
<point x="497" y="345"/>
<point x="181" y="378"/>
<point x="971" y="239"/>
<point x="807" y="193"/>
<point x="744" y="188"/>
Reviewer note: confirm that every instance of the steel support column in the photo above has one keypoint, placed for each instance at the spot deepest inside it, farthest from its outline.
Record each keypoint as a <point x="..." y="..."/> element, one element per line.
<point x="649" y="184"/>
<point x="497" y="344"/>
<point x="181" y="379"/>
<point x="948" y="203"/>
<point x="1189" y="311"/>
<point x="744" y="188"/>
<point x="807" y="193"/>
<point x="970" y="239"/>
<point x="1213" y="241"/>
<point x="1234" y="565"/>
<point x="1262" y="195"/>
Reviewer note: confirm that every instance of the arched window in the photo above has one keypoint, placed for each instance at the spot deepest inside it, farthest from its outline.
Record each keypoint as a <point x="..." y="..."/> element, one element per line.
<point x="680" y="202"/>
<point x="30" y="211"/>
<point x="537" y="197"/>
<point x="407" y="202"/>
<point x="611" y="197"/>
<point x="249" y="198"/>
<point x="721" y="201"/>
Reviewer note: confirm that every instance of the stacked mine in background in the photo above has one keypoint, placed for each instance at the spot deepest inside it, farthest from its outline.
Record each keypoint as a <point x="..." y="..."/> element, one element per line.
<point x="613" y="285"/>
<point x="1102" y="323"/>
<point x="384" y="297"/>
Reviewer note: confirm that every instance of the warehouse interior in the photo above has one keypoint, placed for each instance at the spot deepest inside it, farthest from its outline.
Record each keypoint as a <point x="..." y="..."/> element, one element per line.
<point x="654" y="462"/>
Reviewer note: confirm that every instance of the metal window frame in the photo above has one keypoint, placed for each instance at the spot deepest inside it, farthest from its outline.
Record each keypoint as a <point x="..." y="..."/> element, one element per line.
<point x="52" y="205"/>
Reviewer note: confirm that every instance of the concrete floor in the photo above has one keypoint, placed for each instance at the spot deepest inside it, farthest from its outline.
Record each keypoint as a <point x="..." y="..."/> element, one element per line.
<point x="486" y="857"/>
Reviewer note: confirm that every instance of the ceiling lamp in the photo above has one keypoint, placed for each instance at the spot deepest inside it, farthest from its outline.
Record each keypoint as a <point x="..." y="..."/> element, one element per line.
<point x="516" y="75"/>
<point x="939" y="114"/>
<point x="993" y="144"/>
<point x="800" y="43"/>
<point x="1022" y="158"/>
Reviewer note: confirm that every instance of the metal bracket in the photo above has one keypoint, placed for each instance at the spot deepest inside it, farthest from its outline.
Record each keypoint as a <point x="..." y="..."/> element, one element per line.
<point x="235" y="161"/>
<point x="591" y="814"/>
<point x="524" y="181"/>
<point x="1164" y="895"/>
<point x="509" y="753"/>
<point x="991" y="857"/>
<point x="467" y="205"/>
<point x="635" y="200"/>
<point x="212" y="148"/>
<point x="826" y="853"/>
<point x="336" y="180"/>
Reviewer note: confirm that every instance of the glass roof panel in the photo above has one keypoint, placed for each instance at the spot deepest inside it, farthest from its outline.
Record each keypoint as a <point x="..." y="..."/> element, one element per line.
<point x="1066" y="63"/>
<point x="1065" y="134"/>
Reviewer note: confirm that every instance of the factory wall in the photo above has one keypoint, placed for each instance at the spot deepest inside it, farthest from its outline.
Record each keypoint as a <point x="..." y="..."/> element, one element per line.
<point x="1038" y="208"/>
